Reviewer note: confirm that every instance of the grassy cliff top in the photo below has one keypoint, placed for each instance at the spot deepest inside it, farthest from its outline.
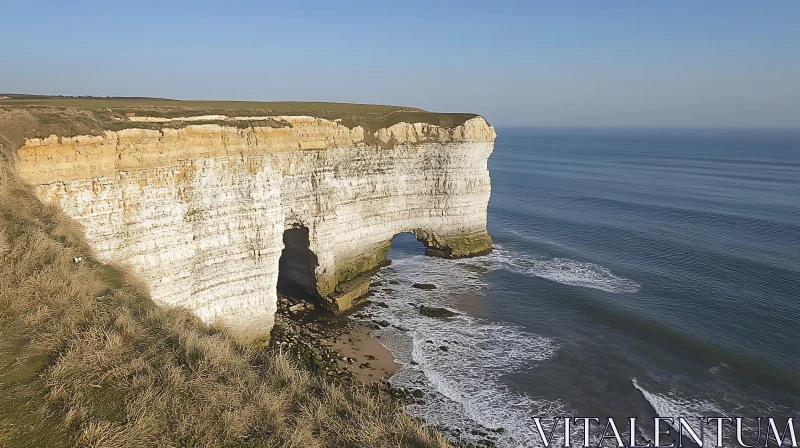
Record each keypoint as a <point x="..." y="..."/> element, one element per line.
<point x="30" y="116"/>
<point x="231" y="107"/>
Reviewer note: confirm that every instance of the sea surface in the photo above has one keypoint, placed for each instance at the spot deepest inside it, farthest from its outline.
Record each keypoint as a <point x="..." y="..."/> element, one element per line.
<point x="635" y="273"/>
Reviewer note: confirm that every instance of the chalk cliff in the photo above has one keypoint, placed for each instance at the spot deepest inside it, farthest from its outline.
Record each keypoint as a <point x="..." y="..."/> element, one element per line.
<point x="204" y="212"/>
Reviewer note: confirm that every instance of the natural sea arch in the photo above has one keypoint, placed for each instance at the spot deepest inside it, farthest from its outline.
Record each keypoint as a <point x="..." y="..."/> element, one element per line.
<point x="297" y="264"/>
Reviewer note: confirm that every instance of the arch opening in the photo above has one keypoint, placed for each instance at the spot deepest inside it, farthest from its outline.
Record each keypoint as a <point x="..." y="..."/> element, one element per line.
<point x="405" y="244"/>
<point x="296" y="277"/>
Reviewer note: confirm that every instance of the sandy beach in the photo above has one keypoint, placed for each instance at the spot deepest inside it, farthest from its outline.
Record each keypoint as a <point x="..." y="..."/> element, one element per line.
<point x="334" y="346"/>
<point x="372" y="360"/>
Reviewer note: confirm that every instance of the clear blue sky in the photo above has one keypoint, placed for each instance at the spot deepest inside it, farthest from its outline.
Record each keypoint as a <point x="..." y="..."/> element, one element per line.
<point x="598" y="63"/>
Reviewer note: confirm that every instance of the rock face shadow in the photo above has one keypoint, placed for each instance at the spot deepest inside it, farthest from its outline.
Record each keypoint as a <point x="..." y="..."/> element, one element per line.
<point x="296" y="266"/>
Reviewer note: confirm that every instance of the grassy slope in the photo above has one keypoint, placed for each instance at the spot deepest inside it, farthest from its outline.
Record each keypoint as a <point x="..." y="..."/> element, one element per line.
<point x="78" y="371"/>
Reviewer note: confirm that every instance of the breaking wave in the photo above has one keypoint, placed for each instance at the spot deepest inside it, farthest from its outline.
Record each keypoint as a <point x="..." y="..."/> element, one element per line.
<point x="673" y="405"/>
<point x="562" y="270"/>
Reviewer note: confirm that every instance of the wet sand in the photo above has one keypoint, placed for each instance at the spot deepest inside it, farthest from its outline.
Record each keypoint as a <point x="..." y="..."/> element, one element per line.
<point x="372" y="360"/>
<point x="343" y="346"/>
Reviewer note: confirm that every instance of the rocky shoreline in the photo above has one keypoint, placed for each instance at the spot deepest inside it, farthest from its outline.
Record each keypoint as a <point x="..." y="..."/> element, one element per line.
<point x="341" y="349"/>
<point x="330" y="346"/>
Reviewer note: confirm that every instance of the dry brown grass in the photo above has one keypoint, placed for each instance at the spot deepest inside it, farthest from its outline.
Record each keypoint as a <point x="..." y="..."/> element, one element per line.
<point x="78" y="371"/>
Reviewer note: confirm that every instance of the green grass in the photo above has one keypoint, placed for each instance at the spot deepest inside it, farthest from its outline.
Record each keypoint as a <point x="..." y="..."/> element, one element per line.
<point x="229" y="106"/>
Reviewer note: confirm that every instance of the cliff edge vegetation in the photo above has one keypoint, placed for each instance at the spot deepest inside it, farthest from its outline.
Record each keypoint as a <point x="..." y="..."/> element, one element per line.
<point x="87" y="359"/>
<point x="34" y="116"/>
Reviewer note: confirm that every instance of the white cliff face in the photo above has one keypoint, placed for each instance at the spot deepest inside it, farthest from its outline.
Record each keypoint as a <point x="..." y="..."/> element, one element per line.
<point x="200" y="212"/>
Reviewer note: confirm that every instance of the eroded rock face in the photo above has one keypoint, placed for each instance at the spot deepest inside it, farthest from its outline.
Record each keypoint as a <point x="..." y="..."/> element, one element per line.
<point x="200" y="212"/>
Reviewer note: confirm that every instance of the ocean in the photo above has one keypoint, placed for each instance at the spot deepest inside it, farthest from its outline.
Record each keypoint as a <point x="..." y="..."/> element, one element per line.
<point x="635" y="273"/>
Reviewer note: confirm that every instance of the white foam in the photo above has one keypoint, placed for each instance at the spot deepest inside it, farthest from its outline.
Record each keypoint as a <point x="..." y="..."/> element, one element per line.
<point x="673" y="405"/>
<point x="561" y="270"/>
<point x="464" y="384"/>
<point x="464" y="387"/>
<point x="727" y="401"/>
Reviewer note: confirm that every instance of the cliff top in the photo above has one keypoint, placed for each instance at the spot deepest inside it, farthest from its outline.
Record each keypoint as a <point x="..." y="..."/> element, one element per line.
<point x="90" y="102"/>
<point x="35" y="116"/>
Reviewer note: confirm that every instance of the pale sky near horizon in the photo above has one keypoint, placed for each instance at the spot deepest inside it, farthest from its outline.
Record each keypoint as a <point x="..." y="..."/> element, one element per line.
<point x="566" y="63"/>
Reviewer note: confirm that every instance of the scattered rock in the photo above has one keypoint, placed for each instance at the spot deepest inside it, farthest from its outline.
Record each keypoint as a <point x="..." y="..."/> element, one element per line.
<point x="425" y="286"/>
<point x="394" y="282"/>
<point x="443" y="348"/>
<point x="436" y="312"/>
<point x="381" y="304"/>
